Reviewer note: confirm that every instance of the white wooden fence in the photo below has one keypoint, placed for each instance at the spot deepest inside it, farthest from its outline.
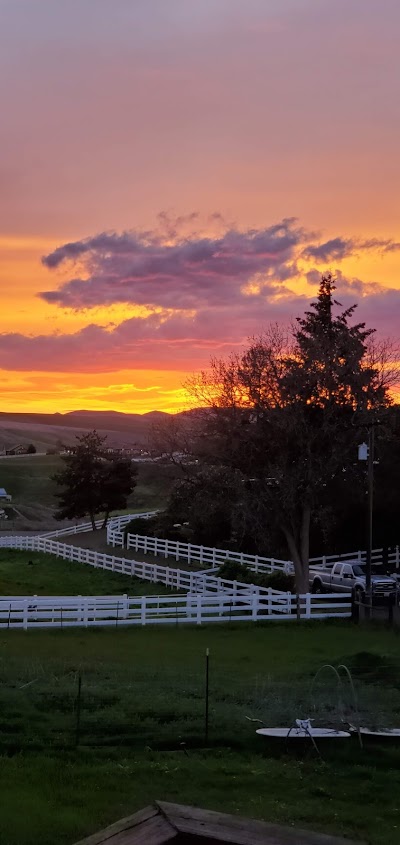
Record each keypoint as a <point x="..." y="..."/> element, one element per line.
<point x="203" y="555"/>
<point x="84" y="527"/>
<point x="194" y="584"/>
<point x="210" y="557"/>
<point x="176" y="579"/>
<point x="206" y="555"/>
<point x="83" y="611"/>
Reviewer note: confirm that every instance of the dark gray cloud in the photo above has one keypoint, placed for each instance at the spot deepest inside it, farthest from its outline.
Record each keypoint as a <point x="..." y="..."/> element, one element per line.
<point x="337" y="249"/>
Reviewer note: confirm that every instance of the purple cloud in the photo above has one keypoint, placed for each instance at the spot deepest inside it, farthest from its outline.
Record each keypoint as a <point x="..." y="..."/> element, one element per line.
<point x="146" y="269"/>
<point x="165" y="268"/>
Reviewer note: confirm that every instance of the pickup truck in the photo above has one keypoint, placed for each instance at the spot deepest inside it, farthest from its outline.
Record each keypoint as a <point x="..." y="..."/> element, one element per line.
<point x="349" y="576"/>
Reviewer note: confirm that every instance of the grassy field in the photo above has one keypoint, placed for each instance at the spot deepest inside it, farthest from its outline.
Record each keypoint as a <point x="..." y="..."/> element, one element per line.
<point x="28" y="480"/>
<point x="34" y="573"/>
<point x="142" y="696"/>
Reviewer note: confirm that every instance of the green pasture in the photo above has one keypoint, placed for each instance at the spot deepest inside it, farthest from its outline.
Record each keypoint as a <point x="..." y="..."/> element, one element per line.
<point x="73" y="762"/>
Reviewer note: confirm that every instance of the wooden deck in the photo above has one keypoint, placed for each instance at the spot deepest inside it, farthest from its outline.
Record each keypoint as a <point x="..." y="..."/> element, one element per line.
<point x="164" y="822"/>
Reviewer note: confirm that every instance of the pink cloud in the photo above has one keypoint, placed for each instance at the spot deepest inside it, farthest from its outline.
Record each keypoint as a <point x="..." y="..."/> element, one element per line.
<point x="180" y="341"/>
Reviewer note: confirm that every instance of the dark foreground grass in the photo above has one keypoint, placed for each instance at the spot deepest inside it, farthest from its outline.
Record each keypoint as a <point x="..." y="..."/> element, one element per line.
<point x="48" y="800"/>
<point x="143" y="696"/>
<point x="35" y="573"/>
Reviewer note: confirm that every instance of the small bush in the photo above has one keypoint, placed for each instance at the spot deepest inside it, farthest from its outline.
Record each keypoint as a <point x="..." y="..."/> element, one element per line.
<point x="144" y="527"/>
<point x="277" y="581"/>
<point x="234" y="571"/>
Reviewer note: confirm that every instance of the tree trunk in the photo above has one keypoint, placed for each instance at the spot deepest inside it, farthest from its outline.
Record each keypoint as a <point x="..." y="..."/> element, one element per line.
<point x="105" y="520"/>
<point x="305" y="544"/>
<point x="300" y="557"/>
<point x="93" y="521"/>
<point x="301" y="576"/>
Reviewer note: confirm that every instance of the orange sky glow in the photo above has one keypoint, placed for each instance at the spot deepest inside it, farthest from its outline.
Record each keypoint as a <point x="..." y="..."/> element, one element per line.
<point x="182" y="177"/>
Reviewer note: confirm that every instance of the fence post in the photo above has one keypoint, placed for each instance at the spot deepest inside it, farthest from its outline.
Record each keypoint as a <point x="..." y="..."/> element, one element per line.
<point x="199" y="609"/>
<point x="254" y="608"/>
<point x="78" y="710"/>
<point x="207" y="690"/>
<point x="308" y="606"/>
<point x="25" y="615"/>
<point x="143" y="610"/>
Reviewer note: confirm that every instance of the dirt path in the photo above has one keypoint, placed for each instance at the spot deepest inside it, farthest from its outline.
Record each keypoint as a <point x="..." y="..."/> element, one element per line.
<point x="97" y="540"/>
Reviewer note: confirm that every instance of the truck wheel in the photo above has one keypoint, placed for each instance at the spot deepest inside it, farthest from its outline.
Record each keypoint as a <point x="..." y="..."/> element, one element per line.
<point x="317" y="587"/>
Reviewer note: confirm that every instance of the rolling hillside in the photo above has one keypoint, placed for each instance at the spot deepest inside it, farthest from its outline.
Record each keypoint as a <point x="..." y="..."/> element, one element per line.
<point x="46" y="430"/>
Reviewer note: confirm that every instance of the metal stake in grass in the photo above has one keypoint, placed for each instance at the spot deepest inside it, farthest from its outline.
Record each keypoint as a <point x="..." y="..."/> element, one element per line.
<point x="207" y="689"/>
<point x="78" y="710"/>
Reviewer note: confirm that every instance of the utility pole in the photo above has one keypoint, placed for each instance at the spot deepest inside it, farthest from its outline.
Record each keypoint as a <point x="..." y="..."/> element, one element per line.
<point x="366" y="453"/>
<point x="371" y="450"/>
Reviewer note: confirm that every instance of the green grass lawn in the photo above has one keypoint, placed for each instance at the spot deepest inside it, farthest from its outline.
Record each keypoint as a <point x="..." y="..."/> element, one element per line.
<point x="142" y="695"/>
<point x="35" y="573"/>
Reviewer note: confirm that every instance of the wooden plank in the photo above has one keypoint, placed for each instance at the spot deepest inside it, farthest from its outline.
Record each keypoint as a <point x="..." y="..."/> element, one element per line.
<point x="221" y="827"/>
<point x="146" y="826"/>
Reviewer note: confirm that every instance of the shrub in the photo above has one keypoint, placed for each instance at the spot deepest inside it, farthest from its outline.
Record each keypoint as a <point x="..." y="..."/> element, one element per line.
<point x="277" y="581"/>
<point x="235" y="571"/>
<point x="144" y="527"/>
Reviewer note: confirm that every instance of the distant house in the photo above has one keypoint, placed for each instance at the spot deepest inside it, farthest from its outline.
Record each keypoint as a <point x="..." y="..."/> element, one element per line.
<point x="16" y="450"/>
<point x="4" y="496"/>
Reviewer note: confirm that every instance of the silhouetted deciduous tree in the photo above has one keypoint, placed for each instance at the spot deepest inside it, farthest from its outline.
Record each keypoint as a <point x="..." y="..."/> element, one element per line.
<point x="92" y="481"/>
<point x="286" y="413"/>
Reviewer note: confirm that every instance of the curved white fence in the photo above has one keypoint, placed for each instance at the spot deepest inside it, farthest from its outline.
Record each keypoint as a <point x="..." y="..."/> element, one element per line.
<point x="211" y="557"/>
<point x="220" y="600"/>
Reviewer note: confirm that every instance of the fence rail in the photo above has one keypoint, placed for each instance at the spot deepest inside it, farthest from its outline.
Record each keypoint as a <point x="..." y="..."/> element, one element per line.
<point x="207" y="555"/>
<point x="195" y="585"/>
<point x="84" y="527"/>
<point x="211" y="557"/>
<point x="86" y="611"/>
<point x="175" y="579"/>
<point x="204" y="555"/>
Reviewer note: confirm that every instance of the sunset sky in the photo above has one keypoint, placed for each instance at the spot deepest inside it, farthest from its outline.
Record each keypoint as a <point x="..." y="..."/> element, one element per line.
<point x="176" y="174"/>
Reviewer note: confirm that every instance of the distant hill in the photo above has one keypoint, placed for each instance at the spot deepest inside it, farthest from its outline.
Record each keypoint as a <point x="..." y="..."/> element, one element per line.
<point x="46" y="430"/>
